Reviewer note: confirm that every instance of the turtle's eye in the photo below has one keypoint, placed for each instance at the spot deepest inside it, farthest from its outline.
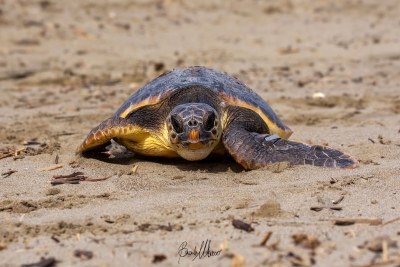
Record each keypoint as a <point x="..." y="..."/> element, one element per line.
<point x="177" y="123"/>
<point x="209" y="122"/>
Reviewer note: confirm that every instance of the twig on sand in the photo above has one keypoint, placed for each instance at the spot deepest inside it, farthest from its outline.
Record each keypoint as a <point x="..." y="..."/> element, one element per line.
<point x="385" y="257"/>
<point x="72" y="175"/>
<point x="51" y="168"/>
<point x="11" y="152"/>
<point x="7" y="174"/>
<point x="30" y="143"/>
<point x="378" y="264"/>
<point x="55" y="239"/>
<point x="19" y="150"/>
<point x="391" y="221"/>
<point x="42" y="263"/>
<point x="134" y="169"/>
<point x="337" y="201"/>
<point x="251" y="218"/>
<point x="265" y="239"/>
<point x="350" y="221"/>
<point x="74" y="178"/>
<point x="63" y="181"/>
<point x="319" y="208"/>
<point x="18" y="74"/>
<point x="97" y="179"/>
<point x="6" y="155"/>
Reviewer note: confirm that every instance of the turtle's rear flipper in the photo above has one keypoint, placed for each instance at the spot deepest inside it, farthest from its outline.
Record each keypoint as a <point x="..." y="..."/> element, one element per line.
<point x="253" y="150"/>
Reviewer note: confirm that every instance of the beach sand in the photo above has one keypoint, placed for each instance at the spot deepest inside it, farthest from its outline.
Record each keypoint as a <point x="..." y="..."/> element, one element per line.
<point x="65" y="66"/>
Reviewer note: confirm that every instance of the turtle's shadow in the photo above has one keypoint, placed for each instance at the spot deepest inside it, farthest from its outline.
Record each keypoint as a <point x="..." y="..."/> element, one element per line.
<point x="211" y="165"/>
<point x="125" y="159"/>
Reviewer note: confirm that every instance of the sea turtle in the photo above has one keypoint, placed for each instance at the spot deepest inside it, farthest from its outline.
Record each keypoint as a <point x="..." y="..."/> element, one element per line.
<point x="195" y="112"/>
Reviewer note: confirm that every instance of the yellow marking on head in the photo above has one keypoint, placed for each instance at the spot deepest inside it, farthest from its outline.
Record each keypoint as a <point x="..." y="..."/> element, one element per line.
<point x="285" y="134"/>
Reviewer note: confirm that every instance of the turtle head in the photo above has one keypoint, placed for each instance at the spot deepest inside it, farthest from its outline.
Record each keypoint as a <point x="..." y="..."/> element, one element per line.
<point x="194" y="129"/>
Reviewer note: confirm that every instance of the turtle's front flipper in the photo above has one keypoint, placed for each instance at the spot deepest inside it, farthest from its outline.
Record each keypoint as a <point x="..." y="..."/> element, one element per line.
<point x="253" y="150"/>
<point x="104" y="132"/>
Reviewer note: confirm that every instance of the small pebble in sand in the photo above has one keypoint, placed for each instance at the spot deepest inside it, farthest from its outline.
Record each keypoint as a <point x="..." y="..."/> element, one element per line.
<point x="318" y="95"/>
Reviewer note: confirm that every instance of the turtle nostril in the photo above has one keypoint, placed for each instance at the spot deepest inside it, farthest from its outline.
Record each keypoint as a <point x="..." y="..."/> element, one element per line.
<point x="192" y="123"/>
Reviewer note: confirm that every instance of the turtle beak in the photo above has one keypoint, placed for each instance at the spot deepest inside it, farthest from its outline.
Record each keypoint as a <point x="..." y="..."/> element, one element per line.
<point x="194" y="136"/>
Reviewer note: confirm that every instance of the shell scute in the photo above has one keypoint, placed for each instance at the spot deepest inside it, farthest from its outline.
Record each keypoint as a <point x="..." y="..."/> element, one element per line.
<point x="98" y="135"/>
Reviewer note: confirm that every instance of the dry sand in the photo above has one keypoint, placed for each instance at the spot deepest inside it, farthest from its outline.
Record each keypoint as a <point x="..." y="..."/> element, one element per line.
<point x="65" y="66"/>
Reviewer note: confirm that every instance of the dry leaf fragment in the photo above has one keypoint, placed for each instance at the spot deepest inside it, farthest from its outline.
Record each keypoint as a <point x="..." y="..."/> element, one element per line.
<point x="305" y="81"/>
<point x="300" y="260"/>
<point x="274" y="245"/>
<point x="159" y="258"/>
<point x="306" y="241"/>
<point x="288" y="50"/>
<point x="83" y="254"/>
<point x="376" y="244"/>
<point x="238" y="260"/>
<point x="242" y="225"/>
<point x="224" y="246"/>
<point x="3" y="244"/>
<point x="42" y="263"/>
